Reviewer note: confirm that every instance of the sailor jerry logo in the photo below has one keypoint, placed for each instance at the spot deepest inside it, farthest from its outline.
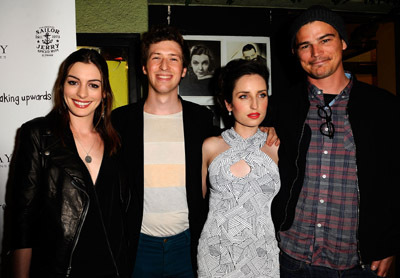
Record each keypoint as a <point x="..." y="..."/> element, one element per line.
<point x="47" y="40"/>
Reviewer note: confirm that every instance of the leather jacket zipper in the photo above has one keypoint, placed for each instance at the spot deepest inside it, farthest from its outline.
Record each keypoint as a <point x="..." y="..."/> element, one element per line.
<point x="358" y="210"/>
<point x="358" y="200"/>
<point x="294" y="181"/>
<point x="79" y="229"/>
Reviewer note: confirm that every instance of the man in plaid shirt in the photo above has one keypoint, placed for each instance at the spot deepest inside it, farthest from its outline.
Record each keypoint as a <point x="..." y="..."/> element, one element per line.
<point x="336" y="213"/>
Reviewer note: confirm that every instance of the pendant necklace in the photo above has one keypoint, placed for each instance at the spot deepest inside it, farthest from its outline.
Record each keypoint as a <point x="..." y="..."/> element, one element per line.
<point x="88" y="158"/>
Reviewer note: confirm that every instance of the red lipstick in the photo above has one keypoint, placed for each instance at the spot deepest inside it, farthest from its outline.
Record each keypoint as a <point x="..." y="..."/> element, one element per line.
<point x="81" y="104"/>
<point x="253" y="115"/>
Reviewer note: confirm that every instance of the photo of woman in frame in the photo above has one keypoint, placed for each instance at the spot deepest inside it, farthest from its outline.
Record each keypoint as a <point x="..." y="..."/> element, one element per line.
<point x="204" y="59"/>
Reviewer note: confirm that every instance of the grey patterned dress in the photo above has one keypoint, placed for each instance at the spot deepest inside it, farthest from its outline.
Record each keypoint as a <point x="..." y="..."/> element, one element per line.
<point x="238" y="238"/>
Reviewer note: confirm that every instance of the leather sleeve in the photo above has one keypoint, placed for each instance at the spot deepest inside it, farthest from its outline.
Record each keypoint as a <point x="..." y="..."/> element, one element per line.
<point x="25" y="186"/>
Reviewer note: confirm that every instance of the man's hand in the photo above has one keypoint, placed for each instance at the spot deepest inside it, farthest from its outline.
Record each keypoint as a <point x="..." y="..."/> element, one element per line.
<point x="272" y="136"/>
<point x="382" y="266"/>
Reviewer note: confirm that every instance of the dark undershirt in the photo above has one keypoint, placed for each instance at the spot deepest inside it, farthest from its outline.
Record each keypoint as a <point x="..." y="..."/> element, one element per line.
<point x="328" y="98"/>
<point x="92" y="257"/>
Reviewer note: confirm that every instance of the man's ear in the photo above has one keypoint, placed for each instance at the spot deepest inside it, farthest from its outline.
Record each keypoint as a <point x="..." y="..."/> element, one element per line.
<point x="344" y="45"/>
<point x="184" y="70"/>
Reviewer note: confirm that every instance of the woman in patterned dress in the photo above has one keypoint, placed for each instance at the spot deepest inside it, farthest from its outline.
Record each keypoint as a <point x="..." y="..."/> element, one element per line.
<point x="238" y="238"/>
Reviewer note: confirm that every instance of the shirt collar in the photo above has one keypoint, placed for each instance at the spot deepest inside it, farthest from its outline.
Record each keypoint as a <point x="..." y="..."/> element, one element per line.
<point x="315" y="92"/>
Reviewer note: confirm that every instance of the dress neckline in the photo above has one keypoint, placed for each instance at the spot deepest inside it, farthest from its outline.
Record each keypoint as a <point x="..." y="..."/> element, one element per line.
<point x="234" y="140"/>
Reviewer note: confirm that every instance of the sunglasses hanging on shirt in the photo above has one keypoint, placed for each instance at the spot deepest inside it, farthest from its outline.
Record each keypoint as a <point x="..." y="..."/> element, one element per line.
<point x="327" y="128"/>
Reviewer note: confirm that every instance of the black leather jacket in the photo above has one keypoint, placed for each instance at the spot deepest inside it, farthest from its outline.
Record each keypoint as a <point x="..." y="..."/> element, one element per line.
<point x="50" y="199"/>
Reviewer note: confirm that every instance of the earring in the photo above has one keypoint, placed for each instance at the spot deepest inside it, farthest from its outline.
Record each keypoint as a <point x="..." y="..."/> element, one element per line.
<point x="229" y="113"/>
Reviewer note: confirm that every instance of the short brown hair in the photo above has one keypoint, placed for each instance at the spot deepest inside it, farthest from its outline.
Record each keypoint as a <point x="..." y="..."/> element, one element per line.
<point x="159" y="33"/>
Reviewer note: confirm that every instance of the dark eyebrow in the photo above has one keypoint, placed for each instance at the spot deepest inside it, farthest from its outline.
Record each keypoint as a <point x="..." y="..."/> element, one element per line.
<point x="174" y="55"/>
<point x="320" y="38"/>
<point x="168" y="54"/>
<point x="92" y="80"/>
<point x="247" y="92"/>
<point x="326" y="35"/>
<point x="70" y="75"/>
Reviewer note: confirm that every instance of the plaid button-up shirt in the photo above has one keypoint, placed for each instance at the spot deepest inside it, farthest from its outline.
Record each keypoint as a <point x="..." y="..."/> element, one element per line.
<point x="324" y="231"/>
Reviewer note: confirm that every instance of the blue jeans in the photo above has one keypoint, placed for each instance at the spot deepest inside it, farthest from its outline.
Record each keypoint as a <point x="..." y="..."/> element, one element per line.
<point x="164" y="256"/>
<point x="292" y="268"/>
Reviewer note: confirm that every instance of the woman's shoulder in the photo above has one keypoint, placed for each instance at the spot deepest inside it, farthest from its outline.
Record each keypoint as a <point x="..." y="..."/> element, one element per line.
<point x="36" y="129"/>
<point x="42" y="123"/>
<point x="213" y="141"/>
<point x="213" y="146"/>
<point x="36" y="124"/>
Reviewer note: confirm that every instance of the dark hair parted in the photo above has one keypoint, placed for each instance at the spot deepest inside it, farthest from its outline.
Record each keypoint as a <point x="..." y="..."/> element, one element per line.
<point x="159" y="33"/>
<point x="202" y="49"/>
<point x="233" y="71"/>
<point x="101" y="123"/>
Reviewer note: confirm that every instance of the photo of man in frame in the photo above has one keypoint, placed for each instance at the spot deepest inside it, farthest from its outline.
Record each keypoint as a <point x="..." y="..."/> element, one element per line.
<point x="247" y="51"/>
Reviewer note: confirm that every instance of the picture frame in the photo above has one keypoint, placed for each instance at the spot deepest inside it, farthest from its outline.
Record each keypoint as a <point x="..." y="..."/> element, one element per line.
<point x="197" y="85"/>
<point x="122" y="53"/>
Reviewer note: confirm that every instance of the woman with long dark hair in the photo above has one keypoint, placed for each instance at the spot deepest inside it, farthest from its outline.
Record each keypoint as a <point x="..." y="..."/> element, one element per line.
<point x="69" y="194"/>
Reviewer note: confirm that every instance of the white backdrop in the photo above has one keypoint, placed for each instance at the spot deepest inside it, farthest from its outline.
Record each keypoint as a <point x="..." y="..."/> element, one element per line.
<point x="35" y="37"/>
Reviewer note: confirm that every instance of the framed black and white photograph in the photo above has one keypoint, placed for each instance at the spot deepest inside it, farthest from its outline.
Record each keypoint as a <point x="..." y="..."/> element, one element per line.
<point x="209" y="53"/>
<point x="247" y="51"/>
<point x="249" y="48"/>
<point x="205" y="58"/>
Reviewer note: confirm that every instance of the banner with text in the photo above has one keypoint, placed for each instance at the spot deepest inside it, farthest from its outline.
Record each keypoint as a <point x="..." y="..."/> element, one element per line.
<point x="35" y="37"/>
